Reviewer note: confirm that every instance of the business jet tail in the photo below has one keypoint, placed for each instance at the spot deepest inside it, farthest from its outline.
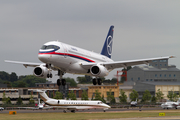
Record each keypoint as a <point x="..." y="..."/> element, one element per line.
<point x="43" y="95"/>
<point x="107" y="48"/>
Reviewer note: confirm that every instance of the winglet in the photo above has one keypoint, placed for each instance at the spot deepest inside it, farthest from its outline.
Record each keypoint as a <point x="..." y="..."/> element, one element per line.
<point x="172" y="57"/>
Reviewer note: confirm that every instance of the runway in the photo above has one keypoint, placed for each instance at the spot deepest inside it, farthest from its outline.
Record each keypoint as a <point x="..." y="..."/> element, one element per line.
<point x="92" y="110"/>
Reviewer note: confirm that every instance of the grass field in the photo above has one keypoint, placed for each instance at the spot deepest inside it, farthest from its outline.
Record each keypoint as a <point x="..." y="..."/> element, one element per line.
<point x="85" y="116"/>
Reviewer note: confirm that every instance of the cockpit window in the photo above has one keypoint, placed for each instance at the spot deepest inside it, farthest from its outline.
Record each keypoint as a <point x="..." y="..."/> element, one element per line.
<point x="45" y="47"/>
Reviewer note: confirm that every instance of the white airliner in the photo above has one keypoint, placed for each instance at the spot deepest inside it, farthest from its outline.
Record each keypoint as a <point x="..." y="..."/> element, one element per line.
<point x="72" y="105"/>
<point x="66" y="58"/>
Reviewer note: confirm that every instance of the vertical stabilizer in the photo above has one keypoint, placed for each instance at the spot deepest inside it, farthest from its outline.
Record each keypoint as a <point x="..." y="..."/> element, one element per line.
<point x="107" y="48"/>
<point x="43" y="95"/>
<point x="39" y="101"/>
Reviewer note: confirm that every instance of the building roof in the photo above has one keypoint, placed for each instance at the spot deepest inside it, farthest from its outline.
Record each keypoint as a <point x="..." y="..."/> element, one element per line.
<point x="162" y="83"/>
<point x="151" y="68"/>
<point x="126" y="87"/>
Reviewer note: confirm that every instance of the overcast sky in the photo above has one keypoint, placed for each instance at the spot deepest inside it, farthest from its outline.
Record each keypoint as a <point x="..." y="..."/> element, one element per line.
<point x="143" y="29"/>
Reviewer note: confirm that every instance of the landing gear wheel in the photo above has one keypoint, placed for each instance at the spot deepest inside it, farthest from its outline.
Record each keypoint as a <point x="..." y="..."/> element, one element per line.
<point x="58" y="82"/>
<point x="64" y="111"/>
<point x="99" y="81"/>
<point x="63" y="82"/>
<point x="94" y="81"/>
<point x="49" y="75"/>
<point x="73" y="111"/>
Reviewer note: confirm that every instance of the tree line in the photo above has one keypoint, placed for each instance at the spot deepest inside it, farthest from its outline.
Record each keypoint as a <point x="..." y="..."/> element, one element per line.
<point x="147" y="97"/>
<point x="12" y="80"/>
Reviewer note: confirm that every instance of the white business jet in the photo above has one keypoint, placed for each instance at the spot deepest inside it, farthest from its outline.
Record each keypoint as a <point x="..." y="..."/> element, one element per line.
<point x="66" y="58"/>
<point x="169" y="105"/>
<point x="134" y="103"/>
<point x="72" y="105"/>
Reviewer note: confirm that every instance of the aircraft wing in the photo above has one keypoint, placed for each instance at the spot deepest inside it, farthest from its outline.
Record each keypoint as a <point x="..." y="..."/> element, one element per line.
<point x="119" y="64"/>
<point x="26" y="64"/>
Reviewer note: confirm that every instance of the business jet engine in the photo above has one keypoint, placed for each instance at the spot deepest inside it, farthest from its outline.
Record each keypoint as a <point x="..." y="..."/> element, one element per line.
<point x="99" y="70"/>
<point x="41" y="71"/>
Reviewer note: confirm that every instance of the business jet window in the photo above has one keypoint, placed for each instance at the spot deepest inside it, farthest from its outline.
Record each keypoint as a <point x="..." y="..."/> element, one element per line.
<point x="44" y="47"/>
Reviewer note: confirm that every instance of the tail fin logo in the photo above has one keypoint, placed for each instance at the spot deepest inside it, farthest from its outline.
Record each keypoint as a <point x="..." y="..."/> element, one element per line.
<point x="109" y="45"/>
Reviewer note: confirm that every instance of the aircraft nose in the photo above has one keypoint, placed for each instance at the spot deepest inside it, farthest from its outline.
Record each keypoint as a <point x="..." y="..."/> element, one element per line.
<point x="107" y="106"/>
<point x="43" y="57"/>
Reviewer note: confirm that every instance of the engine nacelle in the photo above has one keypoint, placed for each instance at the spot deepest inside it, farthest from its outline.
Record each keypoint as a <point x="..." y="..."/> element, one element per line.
<point x="41" y="71"/>
<point x="99" y="70"/>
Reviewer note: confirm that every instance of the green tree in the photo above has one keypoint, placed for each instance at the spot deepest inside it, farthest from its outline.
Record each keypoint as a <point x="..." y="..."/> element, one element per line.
<point x="81" y="80"/>
<point x="71" y="81"/>
<point x="71" y="96"/>
<point x="134" y="95"/>
<point x="84" y="95"/>
<point x="21" y="84"/>
<point x="170" y="95"/>
<point x="103" y="100"/>
<point x="4" y="75"/>
<point x="30" y="80"/>
<point x="88" y="79"/>
<point x="92" y="97"/>
<point x="110" y="97"/>
<point x="122" y="97"/>
<point x="4" y="98"/>
<point x="159" y="95"/>
<point x="58" y="95"/>
<point x="153" y="99"/>
<point x="97" y="95"/>
<point x="175" y="97"/>
<point x="8" y="100"/>
<point x="19" y="101"/>
<point x="8" y="84"/>
<point x="13" y="77"/>
<point x="31" y="100"/>
<point x="146" y="96"/>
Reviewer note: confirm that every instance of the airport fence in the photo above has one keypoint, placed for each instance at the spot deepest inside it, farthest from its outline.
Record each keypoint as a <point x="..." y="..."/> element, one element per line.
<point x="118" y="105"/>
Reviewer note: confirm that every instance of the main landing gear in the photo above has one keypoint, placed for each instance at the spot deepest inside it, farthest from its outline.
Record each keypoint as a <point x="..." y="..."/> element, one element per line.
<point x="97" y="81"/>
<point x="49" y="75"/>
<point x="61" y="81"/>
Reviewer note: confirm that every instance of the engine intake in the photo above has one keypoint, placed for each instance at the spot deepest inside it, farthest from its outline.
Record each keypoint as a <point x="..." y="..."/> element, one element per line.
<point x="99" y="70"/>
<point x="41" y="71"/>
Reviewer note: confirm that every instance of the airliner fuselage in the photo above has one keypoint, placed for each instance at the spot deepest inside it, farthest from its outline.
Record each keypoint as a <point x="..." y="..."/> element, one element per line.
<point x="69" y="58"/>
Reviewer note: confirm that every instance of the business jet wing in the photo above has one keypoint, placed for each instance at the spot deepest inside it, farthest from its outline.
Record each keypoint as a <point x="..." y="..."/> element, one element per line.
<point x="26" y="64"/>
<point x="119" y="64"/>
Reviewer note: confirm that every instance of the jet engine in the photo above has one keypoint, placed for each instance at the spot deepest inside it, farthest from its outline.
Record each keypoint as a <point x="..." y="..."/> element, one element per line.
<point x="41" y="71"/>
<point x="99" y="70"/>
